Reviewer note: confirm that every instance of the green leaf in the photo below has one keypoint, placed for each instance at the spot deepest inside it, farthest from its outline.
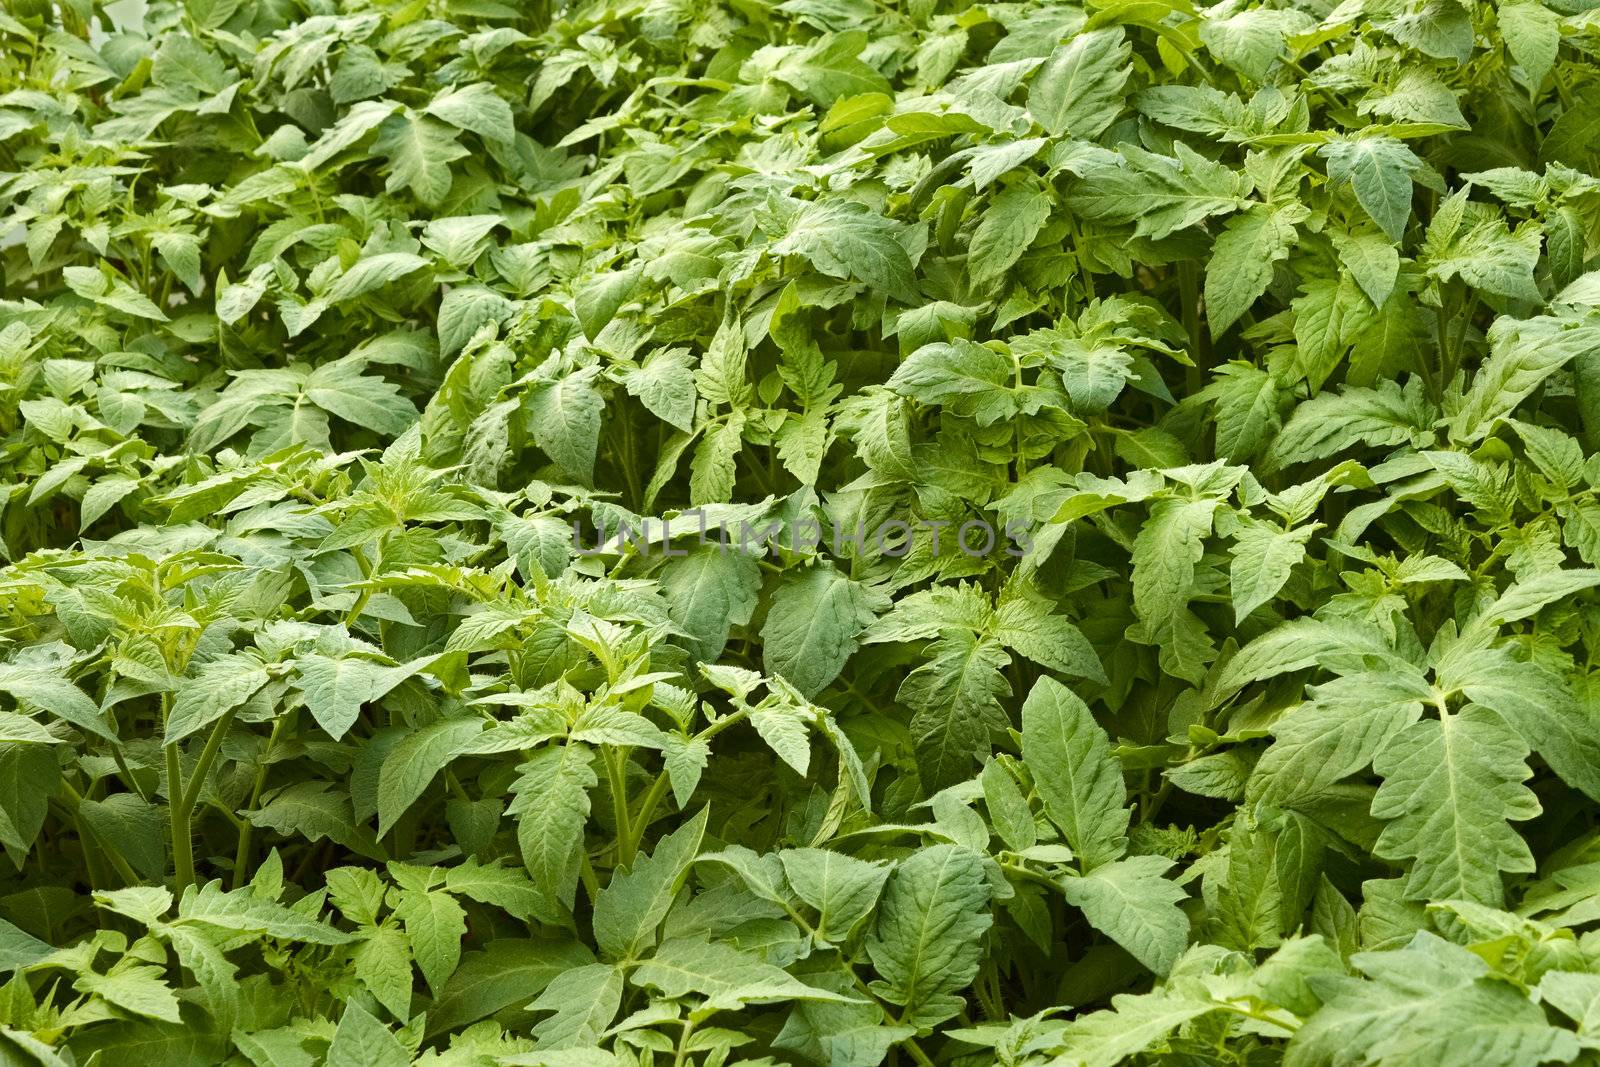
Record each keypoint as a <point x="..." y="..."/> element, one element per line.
<point x="1008" y="808"/>
<point x="201" y="952"/>
<point x="313" y="811"/>
<point x="840" y="1034"/>
<point x="782" y="725"/>
<point x="19" y="949"/>
<point x="1242" y="261"/>
<point x="1005" y="231"/>
<point x="1539" y="705"/>
<point x="476" y="107"/>
<point x="411" y="765"/>
<point x="383" y="963"/>
<point x="419" y="150"/>
<point x="1263" y="558"/>
<point x="1328" y="318"/>
<point x="1132" y="903"/>
<point x="335" y="689"/>
<point x="1132" y="1025"/>
<point x="1025" y="625"/>
<point x="361" y="399"/>
<point x="143" y="904"/>
<point x="1379" y="169"/>
<point x="842" y="889"/>
<point x="1372" y="261"/>
<point x="506" y="972"/>
<point x="1249" y="410"/>
<point x="664" y="384"/>
<point x="244" y="911"/>
<point x="712" y="471"/>
<point x="434" y="925"/>
<point x="551" y="806"/>
<point x="503" y="887"/>
<point x="1251" y="41"/>
<point x="362" y="1039"/>
<point x="565" y="419"/>
<point x="135" y="990"/>
<point x="1074" y="773"/>
<point x="627" y="911"/>
<point x="1477" y="246"/>
<point x="183" y="62"/>
<point x="724" y="977"/>
<point x="1523" y="353"/>
<point x="1336" y="734"/>
<point x="583" y="1001"/>
<point x="1572" y="138"/>
<point x="1417" y="96"/>
<point x="356" y="124"/>
<point x="1330" y="423"/>
<point x="218" y="688"/>
<point x="1575" y="995"/>
<point x="845" y="239"/>
<point x="710" y="591"/>
<point x="1430" y="1002"/>
<point x="1165" y="555"/>
<point x="1077" y="92"/>
<point x="812" y="627"/>
<point x="1528" y="596"/>
<point x="372" y="273"/>
<point x="973" y="381"/>
<point x="599" y="299"/>
<point x="28" y="777"/>
<point x="832" y="69"/>
<point x="1532" y="35"/>
<point x="55" y="694"/>
<point x="1161" y="194"/>
<point x="1451" y="788"/>
<point x="926" y="944"/>
<point x="956" y="698"/>
<point x="466" y="310"/>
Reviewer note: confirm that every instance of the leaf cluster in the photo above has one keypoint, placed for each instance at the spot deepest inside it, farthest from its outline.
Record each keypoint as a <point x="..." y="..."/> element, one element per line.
<point x="1223" y="692"/>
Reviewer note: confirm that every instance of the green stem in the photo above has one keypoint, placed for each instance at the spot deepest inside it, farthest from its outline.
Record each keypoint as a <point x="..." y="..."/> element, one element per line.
<point x="216" y="805"/>
<point x="241" y="855"/>
<point x="1084" y="274"/>
<point x="1464" y="313"/>
<point x="1442" y="330"/>
<point x="208" y="756"/>
<point x="1189" y="293"/>
<point x="639" y="823"/>
<point x="616" y="761"/>
<point x="678" y="1060"/>
<point x="1021" y="460"/>
<point x="647" y="809"/>
<point x="358" y="607"/>
<point x="625" y="452"/>
<point x="722" y="724"/>
<point x="916" y="1052"/>
<point x="127" y="773"/>
<point x="85" y="832"/>
<point x="1154" y="801"/>
<point x="1031" y="875"/>
<point x="360" y="554"/>
<point x="983" y="989"/>
<point x="591" y="882"/>
<point x="996" y="997"/>
<point x="182" y="845"/>
<point x="1258" y="1016"/>
<point x="116" y="746"/>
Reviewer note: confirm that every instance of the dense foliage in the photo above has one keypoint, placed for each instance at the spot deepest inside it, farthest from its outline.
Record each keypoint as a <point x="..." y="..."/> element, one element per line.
<point x="358" y="706"/>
